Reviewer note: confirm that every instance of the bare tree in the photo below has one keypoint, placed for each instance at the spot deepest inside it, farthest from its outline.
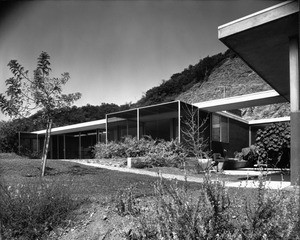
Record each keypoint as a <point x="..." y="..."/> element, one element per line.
<point x="193" y="132"/>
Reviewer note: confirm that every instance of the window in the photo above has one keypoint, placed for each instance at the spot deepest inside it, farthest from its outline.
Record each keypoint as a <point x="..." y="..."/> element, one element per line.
<point x="220" y="128"/>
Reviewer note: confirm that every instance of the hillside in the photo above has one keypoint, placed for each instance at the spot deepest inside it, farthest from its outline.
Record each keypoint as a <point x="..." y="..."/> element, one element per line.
<point x="232" y="78"/>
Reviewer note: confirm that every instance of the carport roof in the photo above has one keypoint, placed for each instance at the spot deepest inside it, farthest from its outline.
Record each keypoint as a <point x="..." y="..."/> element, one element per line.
<point x="262" y="41"/>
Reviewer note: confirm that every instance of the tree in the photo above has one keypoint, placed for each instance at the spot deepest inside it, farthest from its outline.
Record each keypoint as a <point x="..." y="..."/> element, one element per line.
<point x="25" y="95"/>
<point x="193" y="132"/>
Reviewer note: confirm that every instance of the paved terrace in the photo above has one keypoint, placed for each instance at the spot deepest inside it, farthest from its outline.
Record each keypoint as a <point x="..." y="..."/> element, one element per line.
<point x="242" y="183"/>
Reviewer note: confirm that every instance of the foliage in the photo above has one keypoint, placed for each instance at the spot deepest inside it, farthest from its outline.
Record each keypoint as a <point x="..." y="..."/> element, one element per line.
<point x="154" y="152"/>
<point x="273" y="144"/>
<point x="72" y="115"/>
<point x="166" y="153"/>
<point x="180" y="215"/>
<point x="126" y="203"/>
<point x="271" y="215"/>
<point x="32" y="210"/>
<point x="212" y="213"/>
<point x="24" y="94"/>
<point x="180" y="82"/>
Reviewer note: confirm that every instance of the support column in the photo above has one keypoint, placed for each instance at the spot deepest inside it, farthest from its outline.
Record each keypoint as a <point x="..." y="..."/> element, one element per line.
<point x="179" y="122"/>
<point x="79" y="145"/>
<point x="106" y="134"/>
<point x="138" y="124"/>
<point x="65" y="146"/>
<point x="295" y="110"/>
<point x="57" y="146"/>
<point x="19" y="138"/>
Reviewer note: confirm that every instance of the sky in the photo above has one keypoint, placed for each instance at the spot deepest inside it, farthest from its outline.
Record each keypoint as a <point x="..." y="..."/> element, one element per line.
<point x="115" y="50"/>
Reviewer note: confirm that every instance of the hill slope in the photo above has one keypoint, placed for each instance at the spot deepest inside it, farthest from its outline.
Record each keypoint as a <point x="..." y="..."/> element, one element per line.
<point x="232" y="78"/>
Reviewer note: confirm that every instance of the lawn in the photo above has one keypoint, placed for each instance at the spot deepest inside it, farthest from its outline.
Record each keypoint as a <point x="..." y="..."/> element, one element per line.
<point x="86" y="181"/>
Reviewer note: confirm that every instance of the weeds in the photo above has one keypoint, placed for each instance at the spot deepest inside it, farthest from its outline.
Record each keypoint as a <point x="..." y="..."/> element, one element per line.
<point x="126" y="203"/>
<point x="211" y="213"/>
<point x="31" y="210"/>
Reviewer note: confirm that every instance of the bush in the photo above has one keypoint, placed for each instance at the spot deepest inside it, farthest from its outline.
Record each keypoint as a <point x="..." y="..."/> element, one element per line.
<point x="166" y="153"/>
<point x="152" y="152"/>
<point x="32" y="210"/>
<point x="180" y="215"/>
<point x="213" y="214"/>
<point x="273" y="144"/>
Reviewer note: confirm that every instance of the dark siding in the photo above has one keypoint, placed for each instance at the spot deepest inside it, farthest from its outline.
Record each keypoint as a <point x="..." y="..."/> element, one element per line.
<point x="238" y="137"/>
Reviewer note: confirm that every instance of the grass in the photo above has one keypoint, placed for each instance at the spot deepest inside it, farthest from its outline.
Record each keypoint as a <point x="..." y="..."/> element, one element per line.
<point x="89" y="181"/>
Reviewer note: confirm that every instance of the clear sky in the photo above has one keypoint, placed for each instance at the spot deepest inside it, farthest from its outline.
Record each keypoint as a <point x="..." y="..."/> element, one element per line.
<point x="115" y="50"/>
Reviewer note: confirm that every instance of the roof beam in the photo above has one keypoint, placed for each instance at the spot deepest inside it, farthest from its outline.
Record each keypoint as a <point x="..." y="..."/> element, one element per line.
<point x="256" y="19"/>
<point x="243" y="101"/>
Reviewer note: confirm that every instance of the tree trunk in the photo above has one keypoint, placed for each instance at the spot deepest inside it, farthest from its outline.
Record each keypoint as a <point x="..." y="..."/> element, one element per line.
<point x="46" y="146"/>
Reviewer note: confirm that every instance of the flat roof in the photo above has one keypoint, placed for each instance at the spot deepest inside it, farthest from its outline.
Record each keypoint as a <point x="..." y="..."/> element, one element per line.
<point x="269" y="120"/>
<point x="242" y="101"/>
<point x="86" y="126"/>
<point x="262" y="41"/>
<point x="218" y="106"/>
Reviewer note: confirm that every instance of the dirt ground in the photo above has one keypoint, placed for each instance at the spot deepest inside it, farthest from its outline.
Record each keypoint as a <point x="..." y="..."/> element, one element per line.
<point x="101" y="221"/>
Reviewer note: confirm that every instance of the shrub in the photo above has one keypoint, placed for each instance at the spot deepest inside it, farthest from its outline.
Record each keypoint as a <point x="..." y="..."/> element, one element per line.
<point x="109" y="150"/>
<point x="213" y="214"/>
<point x="269" y="215"/>
<point x="126" y="203"/>
<point x="273" y="144"/>
<point x="32" y="210"/>
<point x="180" y="215"/>
<point x="152" y="152"/>
<point x="166" y="153"/>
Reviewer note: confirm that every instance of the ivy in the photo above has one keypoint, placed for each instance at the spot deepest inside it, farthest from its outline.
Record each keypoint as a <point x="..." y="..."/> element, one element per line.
<point x="273" y="144"/>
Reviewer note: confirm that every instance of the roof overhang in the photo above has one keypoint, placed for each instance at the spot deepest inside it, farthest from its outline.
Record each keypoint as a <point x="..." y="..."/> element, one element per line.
<point x="269" y="120"/>
<point x="80" y="127"/>
<point x="242" y="101"/>
<point x="262" y="41"/>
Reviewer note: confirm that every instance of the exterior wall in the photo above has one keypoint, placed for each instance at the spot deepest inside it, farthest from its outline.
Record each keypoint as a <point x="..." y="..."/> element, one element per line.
<point x="238" y="138"/>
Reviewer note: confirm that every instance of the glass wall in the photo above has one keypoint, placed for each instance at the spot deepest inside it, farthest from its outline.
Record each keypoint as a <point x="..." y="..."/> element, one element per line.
<point x="159" y="121"/>
<point x="122" y="124"/>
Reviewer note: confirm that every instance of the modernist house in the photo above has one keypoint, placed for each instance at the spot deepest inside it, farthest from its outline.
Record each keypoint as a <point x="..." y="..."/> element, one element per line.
<point x="268" y="41"/>
<point x="222" y="129"/>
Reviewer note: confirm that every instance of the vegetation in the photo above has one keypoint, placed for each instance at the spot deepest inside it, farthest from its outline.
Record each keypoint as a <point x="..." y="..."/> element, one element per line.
<point x="175" y="210"/>
<point x="24" y="95"/>
<point x="273" y="144"/>
<point x="193" y="133"/>
<point x="32" y="210"/>
<point x="181" y="82"/>
<point x="150" y="152"/>
<point x="214" y="213"/>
